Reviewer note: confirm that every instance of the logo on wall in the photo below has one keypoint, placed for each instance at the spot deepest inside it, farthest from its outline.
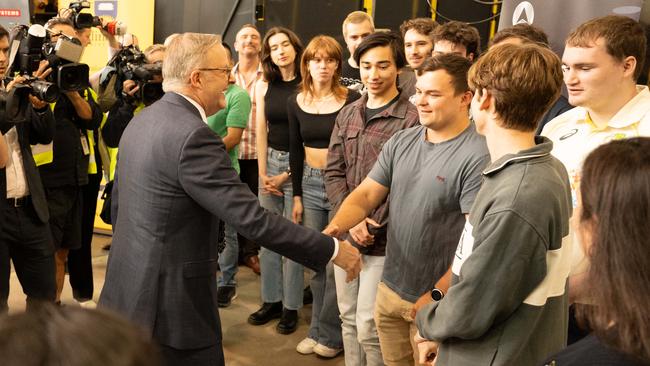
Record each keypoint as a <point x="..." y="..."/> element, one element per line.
<point x="524" y="13"/>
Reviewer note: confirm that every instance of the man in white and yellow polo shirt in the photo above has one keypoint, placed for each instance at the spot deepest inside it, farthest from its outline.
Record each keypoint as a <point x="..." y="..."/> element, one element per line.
<point x="601" y="63"/>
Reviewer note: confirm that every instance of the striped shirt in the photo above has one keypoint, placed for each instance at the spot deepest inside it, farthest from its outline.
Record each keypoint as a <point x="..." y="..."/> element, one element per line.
<point x="247" y="148"/>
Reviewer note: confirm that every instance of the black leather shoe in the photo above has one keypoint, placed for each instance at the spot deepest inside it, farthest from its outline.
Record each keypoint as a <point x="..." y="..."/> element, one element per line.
<point x="268" y="311"/>
<point x="225" y="295"/>
<point x="288" y="322"/>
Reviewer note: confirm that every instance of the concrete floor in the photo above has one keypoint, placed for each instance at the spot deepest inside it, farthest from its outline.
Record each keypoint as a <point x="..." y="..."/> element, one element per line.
<point x="243" y="344"/>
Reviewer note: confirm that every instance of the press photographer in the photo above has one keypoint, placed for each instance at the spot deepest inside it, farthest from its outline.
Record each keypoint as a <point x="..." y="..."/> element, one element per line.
<point x="141" y="85"/>
<point x="24" y="230"/>
<point x="65" y="165"/>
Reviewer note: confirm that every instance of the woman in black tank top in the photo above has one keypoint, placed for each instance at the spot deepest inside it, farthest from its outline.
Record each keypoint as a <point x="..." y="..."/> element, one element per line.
<point x="282" y="288"/>
<point x="312" y="113"/>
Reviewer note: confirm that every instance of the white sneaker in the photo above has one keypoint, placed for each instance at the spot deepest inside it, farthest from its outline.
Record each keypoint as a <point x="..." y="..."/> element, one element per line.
<point x="306" y="346"/>
<point x="325" y="351"/>
<point x="88" y="304"/>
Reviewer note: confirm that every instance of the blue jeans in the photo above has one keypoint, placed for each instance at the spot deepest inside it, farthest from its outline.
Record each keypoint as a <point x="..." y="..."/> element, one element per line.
<point x="325" y="325"/>
<point x="282" y="279"/>
<point x="228" y="258"/>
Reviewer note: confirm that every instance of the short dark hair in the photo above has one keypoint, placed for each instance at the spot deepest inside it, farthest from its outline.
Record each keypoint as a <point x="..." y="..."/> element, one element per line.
<point x="383" y="39"/>
<point x="271" y="70"/>
<point x="623" y="37"/>
<point x="249" y="25"/>
<point x="456" y="66"/>
<point x="522" y="31"/>
<point x="459" y="33"/>
<point x="3" y="32"/>
<point x="59" y="21"/>
<point x="424" y="26"/>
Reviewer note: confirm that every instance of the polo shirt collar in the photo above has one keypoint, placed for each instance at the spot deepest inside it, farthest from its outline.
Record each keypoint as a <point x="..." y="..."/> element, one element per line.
<point x="632" y="112"/>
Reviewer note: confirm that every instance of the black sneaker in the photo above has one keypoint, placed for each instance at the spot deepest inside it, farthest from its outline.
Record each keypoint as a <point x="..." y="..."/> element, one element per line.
<point x="268" y="311"/>
<point x="225" y="295"/>
<point x="288" y="322"/>
<point x="307" y="296"/>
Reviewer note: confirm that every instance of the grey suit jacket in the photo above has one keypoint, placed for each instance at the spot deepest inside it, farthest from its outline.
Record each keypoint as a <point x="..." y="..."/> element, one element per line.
<point x="173" y="180"/>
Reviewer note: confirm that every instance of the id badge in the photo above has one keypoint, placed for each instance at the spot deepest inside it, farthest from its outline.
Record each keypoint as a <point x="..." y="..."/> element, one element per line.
<point x="84" y="144"/>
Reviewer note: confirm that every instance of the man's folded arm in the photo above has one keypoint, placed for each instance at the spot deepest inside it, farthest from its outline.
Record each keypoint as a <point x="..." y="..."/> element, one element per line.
<point x="503" y="269"/>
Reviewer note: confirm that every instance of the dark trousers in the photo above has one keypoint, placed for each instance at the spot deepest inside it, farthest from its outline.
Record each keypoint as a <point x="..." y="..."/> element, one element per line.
<point x="248" y="174"/>
<point x="210" y="356"/>
<point x="80" y="268"/>
<point x="26" y="241"/>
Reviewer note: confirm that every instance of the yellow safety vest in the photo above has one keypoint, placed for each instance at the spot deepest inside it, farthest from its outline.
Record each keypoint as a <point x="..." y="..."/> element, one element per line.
<point x="44" y="153"/>
<point x="112" y="151"/>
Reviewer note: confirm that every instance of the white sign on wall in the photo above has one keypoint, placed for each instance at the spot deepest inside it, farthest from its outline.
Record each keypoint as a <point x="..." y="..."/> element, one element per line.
<point x="14" y="12"/>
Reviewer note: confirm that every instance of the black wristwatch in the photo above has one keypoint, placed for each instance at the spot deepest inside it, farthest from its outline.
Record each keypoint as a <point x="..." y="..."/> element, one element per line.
<point x="288" y="171"/>
<point x="437" y="294"/>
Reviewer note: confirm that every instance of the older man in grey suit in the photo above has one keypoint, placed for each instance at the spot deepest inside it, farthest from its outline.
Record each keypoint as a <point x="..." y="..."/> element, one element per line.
<point x="174" y="180"/>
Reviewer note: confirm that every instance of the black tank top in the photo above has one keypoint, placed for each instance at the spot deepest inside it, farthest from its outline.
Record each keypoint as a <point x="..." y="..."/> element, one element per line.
<point x="275" y="110"/>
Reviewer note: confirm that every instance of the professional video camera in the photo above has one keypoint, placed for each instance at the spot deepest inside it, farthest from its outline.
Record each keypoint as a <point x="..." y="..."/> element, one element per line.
<point x="83" y="20"/>
<point x="27" y="59"/>
<point x="33" y="45"/>
<point x="131" y="64"/>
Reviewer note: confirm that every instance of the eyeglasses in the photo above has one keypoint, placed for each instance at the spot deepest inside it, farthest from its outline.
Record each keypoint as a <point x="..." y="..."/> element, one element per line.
<point x="225" y="70"/>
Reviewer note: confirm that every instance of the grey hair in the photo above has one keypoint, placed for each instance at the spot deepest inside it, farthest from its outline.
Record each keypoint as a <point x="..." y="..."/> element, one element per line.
<point x="185" y="53"/>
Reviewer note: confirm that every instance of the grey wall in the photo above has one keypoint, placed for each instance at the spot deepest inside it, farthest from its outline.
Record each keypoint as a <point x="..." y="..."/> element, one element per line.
<point x="204" y="16"/>
<point x="305" y="17"/>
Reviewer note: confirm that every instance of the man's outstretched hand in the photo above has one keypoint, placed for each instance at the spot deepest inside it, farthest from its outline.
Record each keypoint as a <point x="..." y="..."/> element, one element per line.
<point x="349" y="259"/>
<point x="334" y="231"/>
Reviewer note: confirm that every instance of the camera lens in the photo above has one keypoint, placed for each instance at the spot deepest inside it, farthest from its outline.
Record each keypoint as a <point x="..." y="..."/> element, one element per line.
<point x="72" y="77"/>
<point x="45" y="91"/>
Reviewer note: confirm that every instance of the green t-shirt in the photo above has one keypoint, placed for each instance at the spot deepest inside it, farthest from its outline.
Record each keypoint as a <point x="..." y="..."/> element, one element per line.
<point x="238" y="108"/>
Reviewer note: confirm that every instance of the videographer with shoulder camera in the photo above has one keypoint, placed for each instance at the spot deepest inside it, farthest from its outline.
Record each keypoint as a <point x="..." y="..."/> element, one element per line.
<point x="24" y="231"/>
<point x="138" y="90"/>
<point x="72" y="156"/>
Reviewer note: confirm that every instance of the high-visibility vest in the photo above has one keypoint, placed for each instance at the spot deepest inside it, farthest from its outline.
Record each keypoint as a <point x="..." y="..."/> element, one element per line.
<point x="44" y="153"/>
<point x="112" y="151"/>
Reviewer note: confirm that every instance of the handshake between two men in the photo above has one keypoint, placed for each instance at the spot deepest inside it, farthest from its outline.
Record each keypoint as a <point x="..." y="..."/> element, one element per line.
<point x="348" y="257"/>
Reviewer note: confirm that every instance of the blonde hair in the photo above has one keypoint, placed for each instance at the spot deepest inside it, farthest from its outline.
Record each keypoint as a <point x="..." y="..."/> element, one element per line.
<point x="331" y="48"/>
<point x="185" y="53"/>
<point x="525" y="80"/>
<point x="357" y="17"/>
<point x="153" y="49"/>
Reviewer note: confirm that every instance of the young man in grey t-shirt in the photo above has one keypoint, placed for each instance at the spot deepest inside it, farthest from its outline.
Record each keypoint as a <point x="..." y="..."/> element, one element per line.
<point x="433" y="173"/>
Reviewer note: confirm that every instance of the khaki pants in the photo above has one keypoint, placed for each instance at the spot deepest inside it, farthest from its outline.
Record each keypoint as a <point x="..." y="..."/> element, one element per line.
<point x="395" y="328"/>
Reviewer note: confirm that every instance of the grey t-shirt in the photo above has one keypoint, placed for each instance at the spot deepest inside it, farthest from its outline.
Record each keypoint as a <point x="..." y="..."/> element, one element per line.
<point x="432" y="186"/>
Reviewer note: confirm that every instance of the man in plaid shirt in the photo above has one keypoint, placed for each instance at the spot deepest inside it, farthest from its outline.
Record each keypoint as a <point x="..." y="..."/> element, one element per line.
<point x="360" y="131"/>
